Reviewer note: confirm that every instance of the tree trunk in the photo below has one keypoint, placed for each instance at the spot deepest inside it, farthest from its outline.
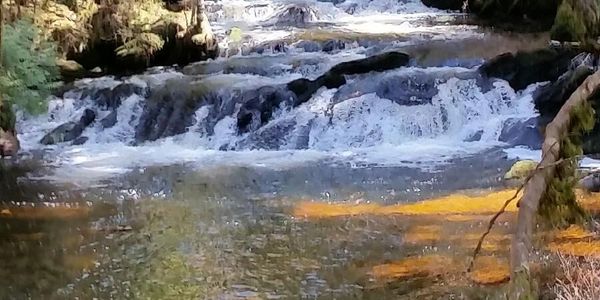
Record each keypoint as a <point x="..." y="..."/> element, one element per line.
<point x="535" y="188"/>
<point x="1" y="25"/>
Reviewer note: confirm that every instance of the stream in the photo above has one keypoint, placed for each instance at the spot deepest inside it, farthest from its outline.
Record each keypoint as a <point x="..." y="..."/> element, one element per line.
<point x="168" y="196"/>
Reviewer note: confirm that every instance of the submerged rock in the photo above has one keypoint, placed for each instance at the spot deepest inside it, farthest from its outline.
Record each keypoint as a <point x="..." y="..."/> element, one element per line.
<point x="80" y="141"/>
<point x="110" y="120"/>
<point x="517" y="132"/>
<point x="69" y="131"/>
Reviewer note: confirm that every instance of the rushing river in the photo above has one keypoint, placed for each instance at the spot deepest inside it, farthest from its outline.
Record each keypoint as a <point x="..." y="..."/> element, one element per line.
<point x="206" y="213"/>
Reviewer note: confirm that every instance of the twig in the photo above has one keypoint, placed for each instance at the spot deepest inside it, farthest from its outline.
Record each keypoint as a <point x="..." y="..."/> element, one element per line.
<point x="503" y="209"/>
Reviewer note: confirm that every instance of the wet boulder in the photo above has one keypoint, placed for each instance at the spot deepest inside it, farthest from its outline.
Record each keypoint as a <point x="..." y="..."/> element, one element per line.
<point x="524" y="68"/>
<point x="296" y="15"/>
<point x="258" y="106"/>
<point x="517" y="132"/>
<point x="334" y="78"/>
<point x="111" y="97"/>
<point x="475" y="137"/>
<point x="406" y="88"/>
<point x="333" y="45"/>
<point x="303" y="89"/>
<point x="308" y="46"/>
<point x="550" y="98"/>
<point x="110" y="120"/>
<point x="80" y="141"/>
<point x="169" y="110"/>
<point x="69" y="131"/>
<point x="376" y="63"/>
<point x="9" y="144"/>
<point x="270" y="137"/>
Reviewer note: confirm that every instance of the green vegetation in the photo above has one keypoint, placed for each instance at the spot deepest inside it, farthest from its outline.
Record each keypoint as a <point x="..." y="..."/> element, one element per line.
<point x="568" y="25"/>
<point x="559" y="207"/>
<point x="29" y="72"/>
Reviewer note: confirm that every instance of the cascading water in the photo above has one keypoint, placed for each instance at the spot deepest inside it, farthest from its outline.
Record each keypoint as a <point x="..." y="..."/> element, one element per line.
<point x="406" y="116"/>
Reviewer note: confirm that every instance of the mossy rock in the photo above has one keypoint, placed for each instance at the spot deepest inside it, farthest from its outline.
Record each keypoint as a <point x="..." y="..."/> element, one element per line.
<point x="521" y="169"/>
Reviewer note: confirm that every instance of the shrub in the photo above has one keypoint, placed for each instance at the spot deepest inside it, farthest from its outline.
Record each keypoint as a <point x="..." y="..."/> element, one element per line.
<point x="581" y="279"/>
<point x="29" y="72"/>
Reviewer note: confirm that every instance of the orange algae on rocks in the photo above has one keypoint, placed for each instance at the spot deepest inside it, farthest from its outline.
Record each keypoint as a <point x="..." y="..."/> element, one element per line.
<point x="574" y="232"/>
<point x="460" y="204"/>
<point x="581" y="248"/>
<point x="423" y="234"/>
<point x="416" y="266"/>
<point x="453" y="205"/>
<point x="328" y="210"/>
<point x="490" y="270"/>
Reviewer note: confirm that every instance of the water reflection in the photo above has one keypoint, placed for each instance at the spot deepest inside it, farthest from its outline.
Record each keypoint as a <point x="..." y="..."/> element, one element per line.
<point x="223" y="234"/>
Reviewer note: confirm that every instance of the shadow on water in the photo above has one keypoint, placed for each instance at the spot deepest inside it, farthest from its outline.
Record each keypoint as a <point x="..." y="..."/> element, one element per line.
<point x="170" y="233"/>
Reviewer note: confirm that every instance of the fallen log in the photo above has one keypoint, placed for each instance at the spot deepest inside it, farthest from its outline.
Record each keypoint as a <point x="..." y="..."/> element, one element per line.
<point x="537" y="186"/>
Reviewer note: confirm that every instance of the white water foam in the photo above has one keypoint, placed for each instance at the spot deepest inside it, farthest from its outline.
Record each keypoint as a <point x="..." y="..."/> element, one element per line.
<point x="361" y="130"/>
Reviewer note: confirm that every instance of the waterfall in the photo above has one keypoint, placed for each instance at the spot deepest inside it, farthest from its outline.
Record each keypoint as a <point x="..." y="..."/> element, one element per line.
<point x="412" y="116"/>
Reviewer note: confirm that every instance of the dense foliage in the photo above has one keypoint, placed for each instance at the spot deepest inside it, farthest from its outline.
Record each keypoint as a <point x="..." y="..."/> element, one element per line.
<point x="29" y="72"/>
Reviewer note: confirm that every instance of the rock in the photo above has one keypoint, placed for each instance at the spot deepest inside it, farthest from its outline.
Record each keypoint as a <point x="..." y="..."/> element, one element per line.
<point x="171" y="108"/>
<point x="70" y="69"/>
<point x="521" y="169"/>
<point x="475" y="137"/>
<point x="445" y="4"/>
<point x="308" y="46"/>
<point x="414" y="88"/>
<point x="110" y="120"/>
<point x="524" y="68"/>
<point x="303" y="89"/>
<point x="590" y="183"/>
<point x="80" y="141"/>
<point x="69" y="131"/>
<point x="259" y="105"/>
<point x="334" y="78"/>
<point x="377" y="63"/>
<point x="333" y="45"/>
<point x="517" y="132"/>
<point x="296" y="15"/>
<point x="9" y="144"/>
<point x="550" y="98"/>
<point x="111" y="97"/>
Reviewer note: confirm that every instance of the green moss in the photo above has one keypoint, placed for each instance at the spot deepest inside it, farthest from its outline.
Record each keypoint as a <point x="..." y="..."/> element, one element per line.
<point x="523" y="286"/>
<point x="142" y="46"/>
<point x="559" y="207"/>
<point x="568" y="25"/>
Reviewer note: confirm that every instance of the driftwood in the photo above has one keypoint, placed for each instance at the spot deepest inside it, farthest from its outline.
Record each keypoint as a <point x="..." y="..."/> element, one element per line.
<point x="521" y="244"/>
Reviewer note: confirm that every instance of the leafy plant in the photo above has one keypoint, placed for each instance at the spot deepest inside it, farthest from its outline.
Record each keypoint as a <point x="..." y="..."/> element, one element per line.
<point x="29" y="72"/>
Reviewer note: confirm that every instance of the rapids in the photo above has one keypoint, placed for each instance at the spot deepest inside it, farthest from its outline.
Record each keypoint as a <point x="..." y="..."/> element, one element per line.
<point x="415" y="115"/>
